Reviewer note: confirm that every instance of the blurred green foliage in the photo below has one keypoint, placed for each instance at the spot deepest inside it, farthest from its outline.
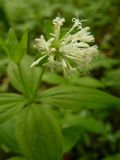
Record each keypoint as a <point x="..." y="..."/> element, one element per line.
<point x="89" y="133"/>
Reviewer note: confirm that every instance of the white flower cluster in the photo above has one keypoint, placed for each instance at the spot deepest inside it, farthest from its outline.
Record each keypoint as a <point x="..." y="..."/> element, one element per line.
<point x="71" y="52"/>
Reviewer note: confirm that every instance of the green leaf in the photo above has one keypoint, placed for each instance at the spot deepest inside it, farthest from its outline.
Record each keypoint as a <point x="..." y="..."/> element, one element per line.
<point x="4" y="47"/>
<point x="38" y="134"/>
<point x="86" y="122"/>
<point x="17" y="158"/>
<point x="74" y="125"/>
<point x="71" y="97"/>
<point x="113" y="157"/>
<point x="12" y="43"/>
<point x="13" y="48"/>
<point x="71" y="135"/>
<point x="21" y="50"/>
<point x="87" y="82"/>
<point x="52" y="78"/>
<point x="25" y="79"/>
<point x="105" y="62"/>
<point x="112" y="78"/>
<point x="7" y="135"/>
<point x="10" y="105"/>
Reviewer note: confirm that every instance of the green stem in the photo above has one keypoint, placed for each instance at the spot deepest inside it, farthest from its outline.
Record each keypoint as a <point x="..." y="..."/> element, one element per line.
<point x="22" y="81"/>
<point x="39" y="82"/>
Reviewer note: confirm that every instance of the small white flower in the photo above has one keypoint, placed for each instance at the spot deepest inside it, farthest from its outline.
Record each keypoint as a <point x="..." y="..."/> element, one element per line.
<point x="71" y="52"/>
<point x="37" y="61"/>
<point x="42" y="45"/>
<point x="58" y="22"/>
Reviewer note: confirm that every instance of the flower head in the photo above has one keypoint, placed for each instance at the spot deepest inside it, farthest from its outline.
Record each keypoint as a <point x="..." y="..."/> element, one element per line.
<point x="72" y="52"/>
